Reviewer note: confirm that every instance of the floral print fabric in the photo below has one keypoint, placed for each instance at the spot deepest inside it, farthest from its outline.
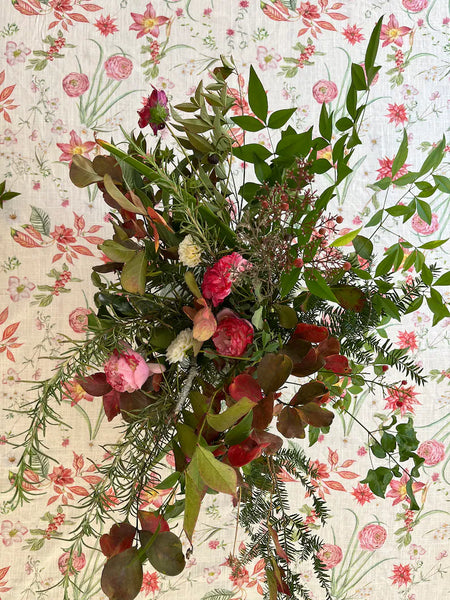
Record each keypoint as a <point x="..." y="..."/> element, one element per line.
<point x="75" y="70"/>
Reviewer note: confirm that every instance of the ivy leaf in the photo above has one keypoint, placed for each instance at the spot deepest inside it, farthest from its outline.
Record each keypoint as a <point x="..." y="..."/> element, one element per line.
<point x="378" y="480"/>
<point x="257" y="97"/>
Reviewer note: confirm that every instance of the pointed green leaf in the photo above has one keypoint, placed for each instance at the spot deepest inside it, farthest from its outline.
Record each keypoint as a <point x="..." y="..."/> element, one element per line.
<point x="257" y="97"/>
<point x="401" y="156"/>
<point x="345" y="239"/>
<point x="134" y="274"/>
<point x="225" y="420"/>
<point x="278" y="118"/>
<point x="216" y="475"/>
<point x="248" y="123"/>
<point x="82" y="172"/>
<point x="117" y="195"/>
<point x="317" y="285"/>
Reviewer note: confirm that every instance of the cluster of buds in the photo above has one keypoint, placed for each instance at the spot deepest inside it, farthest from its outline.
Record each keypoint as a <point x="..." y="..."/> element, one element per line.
<point x="56" y="522"/>
<point x="154" y="51"/>
<point x="61" y="282"/>
<point x="306" y="55"/>
<point x="59" y="43"/>
<point x="399" y="61"/>
<point x="409" y="519"/>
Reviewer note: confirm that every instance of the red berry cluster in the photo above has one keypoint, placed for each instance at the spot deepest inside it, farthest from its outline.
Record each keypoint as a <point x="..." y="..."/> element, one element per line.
<point x="56" y="47"/>
<point x="154" y="51"/>
<point x="399" y="61"/>
<point x="56" y="522"/>
<point x="409" y="518"/>
<point x="61" y="282"/>
<point x="306" y="55"/>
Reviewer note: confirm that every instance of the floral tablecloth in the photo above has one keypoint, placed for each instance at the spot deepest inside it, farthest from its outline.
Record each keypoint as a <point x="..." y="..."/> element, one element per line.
<point x="72" y="70"/>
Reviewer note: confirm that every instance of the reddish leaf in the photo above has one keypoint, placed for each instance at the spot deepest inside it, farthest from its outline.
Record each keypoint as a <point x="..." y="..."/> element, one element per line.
<point x="82" y="250"/>
<point x="52" y="499"/>
<point x="311" y="333"/>
<point x="272" y="13"/>
<point x="272" y="442"/>
<point x="347" y="474"/>
<point x="92" y="479"/>
<point x="10" y="355"/>
<point x="152" y="522"/>
<point x="95" y="385"/>
<point x="337" y="364"/>
<point x="273" y="370"/>
<point x="23" y="240"/>
<point x="2" y="77"/>
<point x="335" y="485"/>
<point x="244" y="386"/>
<point x="32" y="231"/>
<point x="263" y="412"/>
<point x="3" y="315"/>
<point x="4" y="571"/>
<point x="78" y="462"/>
<point x="93" y="239"/>
<point x="281" y="553"/>
<point x="302" y="31"/>
<point x="79" y="490"/>
<point x="94" y="228"/>
<point x="333" y="457"/>
<point x="316" y="416"/>
<point x="122" y="576"/>
<point x="79" y="222"/>
<point x="31" y="476"/>
<point x="245" y="452"/>
<point x="326" y="25"/>
<point x="10" y="330"/>
<point x="91" y="7"/>
<point x="309" y="365"/>
<point x="6" y="92"/>
<point x="290" y="423"/>
<point x="337" y="16"/>
<point x="308" y="392"/>
<point x="328" y="347"/>
<point x="57" y="257"/>
<point x="119" y="538"/>
<point x="111" y="404"/>
<point x="79" y="18"/>
<point x="260" y="566"/>
<point x="347" y="463"/>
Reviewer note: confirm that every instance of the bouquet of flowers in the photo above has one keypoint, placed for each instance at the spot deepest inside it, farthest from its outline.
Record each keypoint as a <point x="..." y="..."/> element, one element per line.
<point x="230" y="317"/>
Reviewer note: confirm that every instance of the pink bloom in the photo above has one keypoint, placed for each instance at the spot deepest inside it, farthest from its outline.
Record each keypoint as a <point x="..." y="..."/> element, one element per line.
<point x="233" y="334"/>
<point x="106" y="25"/>
<point x="74" y="392"/>
<point x="61" y="476"/>
<point x="16" y="53"/>
<point x="361" y="451"/>
<point x="218" y="279"/>
<point x="267" y="59"/>
<point x="154" y="111"/>
<point x="362" y="493"/>
<point x="432" y="451"/>
<point x="78" y="562"/>
<point x="150" y="583"/>
<point x="127" y="371"/>
<point x="407" y="340"/>
<point x="398" y="489"/>
<point x="330" y="555"/>
<point x="12" y="532"/>
<point x="372" y="537"/>
<point x="75" y="146"/>
<point x="416" y="551"/>
<point x="392" y="33"/>
<point x="402" y="398"/>
<point x="308" y="10"/>
<point x="63" y="235"/>
<point x="385" y="169"/>
<point x="401" y="575"/>
<point x="397" y="114"/>
<point x="118" y="67"/>
<point x="213" y="544"/>
<point x="78" y="319"/>
<point x="353" y="35"/>
<point x="324" y="91"/>
<point x="58" y="127"/>
<point x="422" y="227"/>
<point x="148" y="23"/>
<point x="415" y="6"/>
<point x="19" y="288"/>
<point x="75" y="84"/>
<point x="8" y="137"/>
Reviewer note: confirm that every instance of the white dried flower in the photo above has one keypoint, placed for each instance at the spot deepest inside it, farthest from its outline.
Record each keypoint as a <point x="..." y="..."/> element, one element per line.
<point x="176" y="352"/>
<point x="189" y="253"/>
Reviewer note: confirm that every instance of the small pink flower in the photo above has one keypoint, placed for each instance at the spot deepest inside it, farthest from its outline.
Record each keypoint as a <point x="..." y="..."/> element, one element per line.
<point x="267" y="59"/>
<point x="423" y="228"/>
<point x="213" y="544"/>
<point x="118" y="67"/>
<point x="233" y="334"/>
<point x="12" y="532"/>
<point x="415" y="6"/>
<point x="75" y="84"/>
<point x="361" y="451"/>
<point x="75" y="146"/>
<point x="392" y="33"/>
<point x="330" y="555"/>
<point x="78" y="562"/>
<point x="148" y="23"/>
<point x="415" y="551"/>
<point x="106" y="25"/>
<point x="401" y="575"/>
<point x="16" y="53"/>
<point x="324" y="91"/>
<point x="19" y="288"/>
<point x="372" y="537"/>
<point x="218" y="279"/>
<point x="58" y="127"/>
<point x="432" y="451"/>
<point x="126" y="371"/>
<point x="78" y="319"/>
<point x="398" y="489"/>
<point x="397" y="114"/>
<point x="442" y="555"/>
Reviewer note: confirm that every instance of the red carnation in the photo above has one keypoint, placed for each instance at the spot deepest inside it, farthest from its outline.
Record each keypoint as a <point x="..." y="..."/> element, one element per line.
<point x="219" y="278"/>
<point x="233" y="334"/>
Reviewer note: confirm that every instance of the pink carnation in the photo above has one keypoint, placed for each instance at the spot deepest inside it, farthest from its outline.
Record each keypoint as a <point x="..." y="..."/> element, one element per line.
<point x="78" y="319"/>
<point x="75" y="84"/>
<point x="118" y="67"/>
<point x="422" y="227"/>
<point x="126" y="371"/>
<point x="330" y="555"/>
<point x="324" y="91"/>
<point x="77" y="563"/>
<point x="372" y="537"/>
<point x="219" y="278"/>
<point x="233" y="334"/>
<point x="432" y="451"/>
<point x="415" y="6"/>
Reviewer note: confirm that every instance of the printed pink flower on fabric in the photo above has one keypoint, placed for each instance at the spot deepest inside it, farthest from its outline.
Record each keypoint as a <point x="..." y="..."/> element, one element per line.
<point x="397" y="114"/>
<point x="362" y="493"/>
<point x="324" y="91"/>
<point x="403" y="398"/>
<point x="78" y="562"/>
<point x="218" y="279"/>
<point x="407" y="339"/>
<point x="353" y="35"/>
<point x="432" y="451"/>
<point x="267" y="59"/>
<point x="127" y="371"/>
<point x="415" y="6"/>
<point x="73" y="391"/>
<point x="154" y="112"/>
<point x="385" y="169"/>
<point x="398" y="489"/>
<point x="150" y="583"/>
<point x="148" y="23"/>
<point x="75" y="146"/>
<point x="423" y="228"/>
<point x="78" y="319"/>
<point x="391" y="33"/>
<point x="75" y="84"/>
<point x="118" y="67"/>
<point x="401" y="575"/>
<point x="233" y="334"/>
<point x="106" y="25"/>
<point x="330" y="555"/>
<point x="16" y="53"/>
<point x="372" y="537"/>
<point x="12" y="533"/>
<point x="19" y="289"/>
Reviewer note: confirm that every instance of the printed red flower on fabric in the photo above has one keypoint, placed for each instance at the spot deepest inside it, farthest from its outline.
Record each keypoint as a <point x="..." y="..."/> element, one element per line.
<point x="148" y="23"/>
<point x="6" y="103"/>
<point x="154" y="112"/>
<point x="407" y="339"/>
<point x="392" y="33"/>
<point x="397" y="114"/>
<point x="150" y="583"/>
<point x="353" y="35"/>
<point x="401" y="575"/>
<point x="106" y="25"/>
<point x="403" y="398"/>
<point x="362" y="493"/>
<point x="385" y="169"/>
<point x="398" y="489"/>
<point x="75" y="146"/>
